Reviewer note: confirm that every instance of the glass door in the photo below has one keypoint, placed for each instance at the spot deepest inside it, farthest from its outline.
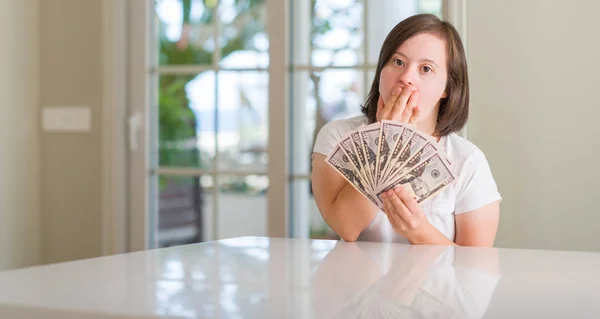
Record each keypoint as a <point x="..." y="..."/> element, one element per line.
<point x="199" y="170"/>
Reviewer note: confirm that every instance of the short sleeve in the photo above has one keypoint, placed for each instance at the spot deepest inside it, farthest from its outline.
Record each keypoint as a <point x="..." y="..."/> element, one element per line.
<point x="327" y="139"/>
<point x="476" y="186"/>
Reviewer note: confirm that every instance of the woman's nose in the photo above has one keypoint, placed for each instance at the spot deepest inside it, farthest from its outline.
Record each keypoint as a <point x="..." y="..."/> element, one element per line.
<point x="407" y="77"/>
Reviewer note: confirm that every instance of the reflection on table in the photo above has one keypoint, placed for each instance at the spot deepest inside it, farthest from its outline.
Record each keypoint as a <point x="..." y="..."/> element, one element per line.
<point x="367" y="280"/>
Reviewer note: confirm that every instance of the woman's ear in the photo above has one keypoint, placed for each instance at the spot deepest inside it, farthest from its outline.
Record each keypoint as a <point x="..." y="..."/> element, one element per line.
<point x="444" y="95"/>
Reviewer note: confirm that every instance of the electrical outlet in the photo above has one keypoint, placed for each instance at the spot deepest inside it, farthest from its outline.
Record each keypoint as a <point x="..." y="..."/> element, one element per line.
<point x="68" y="119"/>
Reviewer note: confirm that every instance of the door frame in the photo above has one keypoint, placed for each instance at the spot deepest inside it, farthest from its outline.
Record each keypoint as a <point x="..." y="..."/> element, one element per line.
<point x="114" y="95"/>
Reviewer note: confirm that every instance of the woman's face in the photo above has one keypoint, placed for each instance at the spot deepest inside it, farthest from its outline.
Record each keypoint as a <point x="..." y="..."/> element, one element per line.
<point x="420" y="62"/>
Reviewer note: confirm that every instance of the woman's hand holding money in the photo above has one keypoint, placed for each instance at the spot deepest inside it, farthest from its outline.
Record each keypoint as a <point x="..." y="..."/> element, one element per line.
<point x="408" y="219"/>
<point x="400" y="107"/>
<point x="404" y="213"/>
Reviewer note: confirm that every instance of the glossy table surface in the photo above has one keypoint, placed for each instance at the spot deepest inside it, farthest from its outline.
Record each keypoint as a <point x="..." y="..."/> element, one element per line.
<point x="253" y="277"/>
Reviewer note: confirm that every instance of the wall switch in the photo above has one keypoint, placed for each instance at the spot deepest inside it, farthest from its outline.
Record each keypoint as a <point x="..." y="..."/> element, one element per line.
<point x="68" y="119"/>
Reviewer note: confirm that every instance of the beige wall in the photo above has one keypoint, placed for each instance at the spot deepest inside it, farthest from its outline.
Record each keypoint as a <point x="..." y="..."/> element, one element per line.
<point x="535" y="110"/>
<point x="19" y="170"/>
<point x="50" y="184"/>
<point x="71" y="164"/>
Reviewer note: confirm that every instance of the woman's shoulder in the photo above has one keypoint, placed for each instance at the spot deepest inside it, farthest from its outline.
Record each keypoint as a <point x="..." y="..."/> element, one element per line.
<point x="343" y="126"/>
<point x="461" y="149"/>
<point x="331" y="133"/>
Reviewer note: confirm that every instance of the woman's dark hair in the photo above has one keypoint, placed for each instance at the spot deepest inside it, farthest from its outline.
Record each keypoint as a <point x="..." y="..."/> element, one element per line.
<point x="454" y="109"/>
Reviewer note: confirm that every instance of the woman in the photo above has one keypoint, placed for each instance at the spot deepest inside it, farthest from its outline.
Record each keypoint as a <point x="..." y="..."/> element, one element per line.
<point x="421" y="78"/>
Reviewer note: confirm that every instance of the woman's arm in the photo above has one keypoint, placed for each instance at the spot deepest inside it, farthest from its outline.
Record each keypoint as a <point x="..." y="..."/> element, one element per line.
<point x="343" y="208"/>
<point x="479" y="226"/>
<point x="475" y="228"/>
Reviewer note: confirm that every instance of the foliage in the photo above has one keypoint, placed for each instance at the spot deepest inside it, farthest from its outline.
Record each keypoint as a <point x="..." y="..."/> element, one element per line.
<point x="177" y="122"/>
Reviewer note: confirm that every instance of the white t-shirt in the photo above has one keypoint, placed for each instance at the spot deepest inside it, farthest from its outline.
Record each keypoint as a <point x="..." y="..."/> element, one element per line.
<point x="474" y="187"/>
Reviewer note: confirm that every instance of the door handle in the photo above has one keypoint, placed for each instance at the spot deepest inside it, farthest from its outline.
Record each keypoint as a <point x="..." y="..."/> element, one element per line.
<point x="134" y="122"/>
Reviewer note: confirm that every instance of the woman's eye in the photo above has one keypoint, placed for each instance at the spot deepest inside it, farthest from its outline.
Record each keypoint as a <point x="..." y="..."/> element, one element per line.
<point x="398" y="62"/>
<point x="427" y="69"/>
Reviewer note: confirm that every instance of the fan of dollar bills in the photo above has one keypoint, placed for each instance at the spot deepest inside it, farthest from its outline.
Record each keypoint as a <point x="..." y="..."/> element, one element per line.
<point x="378" y="157"/>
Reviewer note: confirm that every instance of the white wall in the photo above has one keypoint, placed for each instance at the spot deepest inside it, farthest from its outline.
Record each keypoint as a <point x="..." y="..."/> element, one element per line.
<point x="19" y="99"/>
<point x="535" y="108"/>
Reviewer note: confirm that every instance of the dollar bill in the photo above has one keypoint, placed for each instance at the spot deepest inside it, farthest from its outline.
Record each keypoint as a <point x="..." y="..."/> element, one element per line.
<point x="368" y="135"/>
<point x="389" y="134"/>
<point x="426" y="179"/>
<point x="348" y="146"/>
<point x="424" y="153"/>
<point x="402" y="141"/>
<point x="416" y="142"/>
<point x="340" y="161"/>
<point x="358" y="149"/>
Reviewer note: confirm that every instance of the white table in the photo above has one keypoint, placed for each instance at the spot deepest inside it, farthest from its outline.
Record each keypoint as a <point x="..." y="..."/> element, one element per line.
<point x="255" y="277"/>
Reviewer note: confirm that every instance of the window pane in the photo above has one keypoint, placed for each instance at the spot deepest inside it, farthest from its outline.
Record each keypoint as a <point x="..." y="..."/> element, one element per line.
<point x="186" y="31"/>
<point x="370" y="78"/>
<point x="306" y="215"/>
<point x="337" y="34"/>
<point x="243" y="39"/>
<point x="185" y="209"/>
<point x="383" y="15"/>
<point x="242" y="208"/>
<point x="339" y="93"/>
<point x="302" y="122"/>
<point x="186" y="120"/>
<point x="243" y="121"/>
<point x="431" y="6"/>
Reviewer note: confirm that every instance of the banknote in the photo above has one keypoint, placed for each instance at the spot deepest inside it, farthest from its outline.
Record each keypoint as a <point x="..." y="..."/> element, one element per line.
<point x="358" y="149"/>
<point x="425" y="152"/>
<point x="416" y="142"/>
<point x="406" y="135"/>
<point x="368" y="135"/>
<point x="377" y="157"/>
<point x="348" y="146"/>
<point x="425" y="179"/>
<point x="340" y="161"/>
<point x="388" y="136"/>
